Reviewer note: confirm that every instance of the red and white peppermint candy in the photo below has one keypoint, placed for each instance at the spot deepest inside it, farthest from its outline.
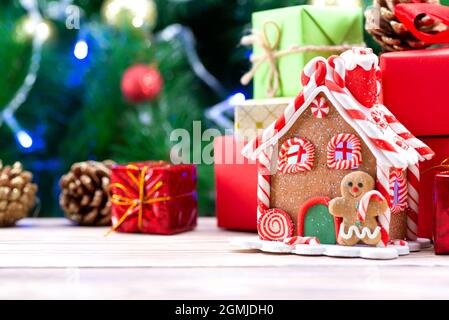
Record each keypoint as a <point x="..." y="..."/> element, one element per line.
<point x="275" y="225"/>
<point x="313" y="241"/>
<point x="296" y="155"/>
<point x="349" y="147"/>
<point x="379" y="118"/>
<point x="398" y="242"/>
<point x="319" y="107"/>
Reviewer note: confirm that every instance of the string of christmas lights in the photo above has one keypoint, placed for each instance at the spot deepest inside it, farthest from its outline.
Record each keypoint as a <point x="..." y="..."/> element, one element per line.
<point x="39" y="30"/>
<point x="35" y="26"/>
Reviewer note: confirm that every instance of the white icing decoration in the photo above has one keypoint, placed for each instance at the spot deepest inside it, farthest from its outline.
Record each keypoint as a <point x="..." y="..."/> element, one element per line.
<point x="353" y="59"/>
<point x="359" y="251"/>
<point x="359" y="234"/>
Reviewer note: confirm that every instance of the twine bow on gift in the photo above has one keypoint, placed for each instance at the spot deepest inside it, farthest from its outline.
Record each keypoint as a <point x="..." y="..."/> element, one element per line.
<point x="144" y="198"/>
<point x="271" y="54"/>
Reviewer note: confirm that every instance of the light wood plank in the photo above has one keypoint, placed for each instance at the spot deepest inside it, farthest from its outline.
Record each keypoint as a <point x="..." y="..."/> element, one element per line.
<point x="226" y="283"/>
<point x="50" y="258"/>
<point x="56" y="243"/>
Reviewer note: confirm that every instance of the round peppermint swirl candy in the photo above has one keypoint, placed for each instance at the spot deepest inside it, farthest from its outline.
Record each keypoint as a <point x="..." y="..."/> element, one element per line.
<point x="319" y="107"/>
<point x="275" y="225"/>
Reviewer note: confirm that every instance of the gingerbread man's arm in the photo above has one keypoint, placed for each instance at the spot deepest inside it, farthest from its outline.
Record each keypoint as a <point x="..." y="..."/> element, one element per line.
<point x="338" y="207"/>
<point x="376" y="208"/>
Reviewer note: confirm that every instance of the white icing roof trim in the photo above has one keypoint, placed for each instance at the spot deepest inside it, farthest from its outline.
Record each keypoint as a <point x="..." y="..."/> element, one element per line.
<point x="400" y="159"/>
<point x="363" y="57"/>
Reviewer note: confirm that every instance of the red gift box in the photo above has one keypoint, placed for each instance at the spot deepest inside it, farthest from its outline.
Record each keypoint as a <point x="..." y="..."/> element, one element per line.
<point x="426" y="193"/>
<point x="441" y="214"/>
<point x="414" y="85"/>
<point x="235" y="185"/>
<point x="154" y="197"/>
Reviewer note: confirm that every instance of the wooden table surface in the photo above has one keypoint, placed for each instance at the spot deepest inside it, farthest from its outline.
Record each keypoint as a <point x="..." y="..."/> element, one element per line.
<point x="52" y="259"/>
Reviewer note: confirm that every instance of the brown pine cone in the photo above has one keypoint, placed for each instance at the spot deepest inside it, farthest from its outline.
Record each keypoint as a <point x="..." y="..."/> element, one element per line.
<point x="392" y="35"/>
<point x="84" y="197"/>
<point x="17" y="194"/>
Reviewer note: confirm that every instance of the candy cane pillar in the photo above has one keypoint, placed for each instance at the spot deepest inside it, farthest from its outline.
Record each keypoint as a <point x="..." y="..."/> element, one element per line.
<point x="413" y="201"/>
<point x="383" y="186"/>
<point x="263" y="183"/>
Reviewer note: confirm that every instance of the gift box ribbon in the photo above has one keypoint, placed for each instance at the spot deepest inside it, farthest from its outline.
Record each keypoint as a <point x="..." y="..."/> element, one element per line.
<point x="408" y="13"/>
<point x="443" y="166"/>
<point x="145" y="198"/>
<point x="271" y="53"/>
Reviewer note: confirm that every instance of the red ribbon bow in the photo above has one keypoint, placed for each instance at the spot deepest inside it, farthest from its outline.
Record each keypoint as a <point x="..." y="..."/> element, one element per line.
<point x="408" y="13"/>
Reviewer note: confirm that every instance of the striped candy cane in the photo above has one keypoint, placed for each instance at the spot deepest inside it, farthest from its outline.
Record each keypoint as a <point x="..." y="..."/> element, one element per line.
<point x="263" y="184"/>
<point x="397" y="242"/>
<point x="383" y="219"/>
<point x="397" y="180"/>
<point x="365" y="200"/>
<point x="413" y="201"/>
<point x="423" y="150"/>
<point x="302" y="240"/>
<point x="413" y="175"/>
<point x="313" y="76"/>
<point x="383" y="186"/>
<point x="359" y="116"/>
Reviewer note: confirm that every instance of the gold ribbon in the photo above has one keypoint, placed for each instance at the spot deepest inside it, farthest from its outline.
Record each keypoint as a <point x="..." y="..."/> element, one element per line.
<point x="271" y="54"/>
<point x="141" y="201"/>
<point x="444" y="165"/>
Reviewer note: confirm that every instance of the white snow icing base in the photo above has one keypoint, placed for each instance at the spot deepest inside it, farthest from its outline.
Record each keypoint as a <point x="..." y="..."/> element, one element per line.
<point x="359" y="251"/>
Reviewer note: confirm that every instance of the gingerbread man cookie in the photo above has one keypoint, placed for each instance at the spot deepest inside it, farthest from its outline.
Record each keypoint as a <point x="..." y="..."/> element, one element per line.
<point x="359" y="207"/>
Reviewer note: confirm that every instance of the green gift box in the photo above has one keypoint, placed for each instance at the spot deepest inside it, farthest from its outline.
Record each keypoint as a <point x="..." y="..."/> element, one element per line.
<point x="300" y="27"/>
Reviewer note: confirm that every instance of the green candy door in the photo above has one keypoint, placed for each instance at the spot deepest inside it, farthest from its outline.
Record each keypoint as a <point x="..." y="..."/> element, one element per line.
<point x="314" y="220"/>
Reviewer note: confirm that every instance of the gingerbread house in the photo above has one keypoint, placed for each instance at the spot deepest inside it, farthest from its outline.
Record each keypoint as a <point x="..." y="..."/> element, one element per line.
<point x="334" y="126"/>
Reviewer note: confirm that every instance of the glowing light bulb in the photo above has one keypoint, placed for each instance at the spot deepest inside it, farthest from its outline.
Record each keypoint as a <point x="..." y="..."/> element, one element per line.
<point x="81" y="50"/>
<point x="32" y="27"/>
<point x="137" y="22"/>
<point x="24" y="139"/>
<point x="136" y="12"/>
<point x="237" y="98"/>
<point x="43" y="31"/>
<point x="29" y="26"/>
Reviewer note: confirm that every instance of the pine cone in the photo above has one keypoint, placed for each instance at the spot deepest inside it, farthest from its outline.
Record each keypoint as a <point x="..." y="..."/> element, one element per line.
<point x="84" y="196"/>
<point x="17" y="194"/>
<point x="392" y="35"/>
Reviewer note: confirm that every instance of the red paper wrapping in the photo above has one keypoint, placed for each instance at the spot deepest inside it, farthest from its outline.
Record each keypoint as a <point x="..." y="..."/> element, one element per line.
<point x="407" y="13"/>
<point x="415" y="89"/>
<point x="154" y="197"/>
<point x="441" y="217"/>
<point x="426" y="194"/>
<point x="235" y="185"/>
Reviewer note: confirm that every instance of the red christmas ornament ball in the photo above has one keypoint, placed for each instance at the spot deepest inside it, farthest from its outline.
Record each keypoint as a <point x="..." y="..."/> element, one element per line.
<point x="141" y="83"/>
